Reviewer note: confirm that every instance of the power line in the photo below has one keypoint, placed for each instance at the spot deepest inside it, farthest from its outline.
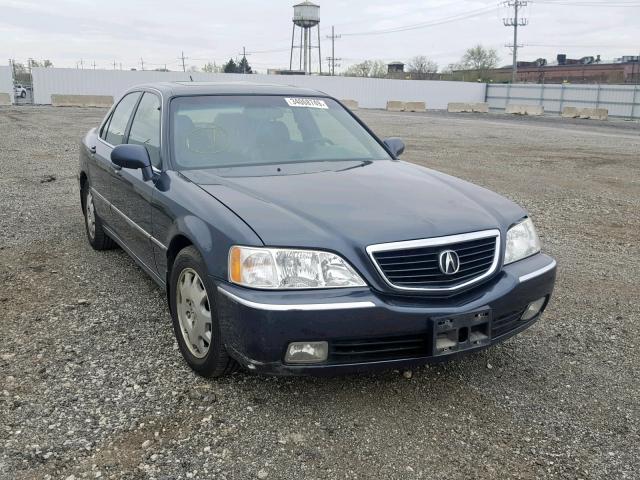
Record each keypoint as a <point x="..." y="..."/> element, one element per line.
<point x="442" y="21"/>
<point x="515" y="22"/>
<point x="598" y="3"/>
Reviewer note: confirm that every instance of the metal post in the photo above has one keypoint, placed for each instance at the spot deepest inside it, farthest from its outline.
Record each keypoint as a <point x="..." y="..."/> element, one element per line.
<point x="319" y="52"/>
<point x="561" y="97"/>
<point x="598" y="96"/>
<point x="333" y="51"/>
<point x="514" y="73"/>
<point x="635" y="101"/>
<point x="293" y="36"/>
<point x="301" y="35"/>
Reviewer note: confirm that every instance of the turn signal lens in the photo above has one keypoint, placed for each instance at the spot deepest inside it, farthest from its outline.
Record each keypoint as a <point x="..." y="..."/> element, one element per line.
<point x="235" y="268"/>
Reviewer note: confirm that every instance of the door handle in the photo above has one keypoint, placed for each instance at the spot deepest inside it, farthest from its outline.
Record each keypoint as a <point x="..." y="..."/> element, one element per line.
<point x="92" y="149"/>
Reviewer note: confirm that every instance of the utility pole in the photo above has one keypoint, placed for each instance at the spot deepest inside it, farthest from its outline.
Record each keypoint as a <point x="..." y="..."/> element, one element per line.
<point x="515" y="22"/>
<point x="244" y="56"/>
<point x="94" y="64"/>
<point x="332" y="59"/>
<point x="142" y="63"/>
<point x="114" y="64"/>
<point x="183" y="58"/>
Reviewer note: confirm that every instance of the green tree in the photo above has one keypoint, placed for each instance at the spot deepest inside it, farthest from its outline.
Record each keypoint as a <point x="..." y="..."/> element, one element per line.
<point x="230" y="67"/>
<point x="243" y="66"/>
<point x="479" y="60"/>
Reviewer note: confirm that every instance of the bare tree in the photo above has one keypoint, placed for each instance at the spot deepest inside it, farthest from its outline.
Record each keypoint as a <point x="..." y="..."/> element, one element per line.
<point x="480" y="58"/>
<point x="423" y="65"/>
<point x="378" y="69"/>
<point x="211" y="68"/>
<point x="368" y="68"/>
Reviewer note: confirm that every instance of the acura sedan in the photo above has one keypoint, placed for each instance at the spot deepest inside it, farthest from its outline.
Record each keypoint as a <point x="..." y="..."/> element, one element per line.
<point x="291" y="240"/>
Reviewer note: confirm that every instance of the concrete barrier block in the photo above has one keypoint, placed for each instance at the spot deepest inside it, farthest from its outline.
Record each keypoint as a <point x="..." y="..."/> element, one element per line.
<point x="532" y="110"/>
<point x="5" y="99"/>
<point x="468" y="107"/>
<point x="395" y="106"/>
<point x="350" y="104"/>
<point x="81" y="100"/>
<point x="594" y="113"/>
<point x="415" y="107"/>
<point x="570" y="112"/>
<point x="481" y="107"/>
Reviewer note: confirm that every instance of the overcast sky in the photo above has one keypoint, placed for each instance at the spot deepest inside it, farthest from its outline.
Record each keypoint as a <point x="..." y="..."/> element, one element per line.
<point x="66" y="31"/>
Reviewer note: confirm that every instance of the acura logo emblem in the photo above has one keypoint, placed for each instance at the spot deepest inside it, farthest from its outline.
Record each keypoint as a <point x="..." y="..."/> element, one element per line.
<point x="449" y="262"/>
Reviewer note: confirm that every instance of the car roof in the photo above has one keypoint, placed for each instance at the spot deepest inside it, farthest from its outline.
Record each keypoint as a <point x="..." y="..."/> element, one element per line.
<point x="175" y="89"/>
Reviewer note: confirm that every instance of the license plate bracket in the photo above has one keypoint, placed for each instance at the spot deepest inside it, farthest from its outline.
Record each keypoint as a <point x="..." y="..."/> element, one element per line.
<point x="459" y="332"/>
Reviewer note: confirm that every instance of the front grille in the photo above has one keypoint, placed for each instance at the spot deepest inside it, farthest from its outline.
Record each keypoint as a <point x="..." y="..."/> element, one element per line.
<point x="377" y="349"/>
<point x="506" y="323"/>
<point x="417" y="266"/>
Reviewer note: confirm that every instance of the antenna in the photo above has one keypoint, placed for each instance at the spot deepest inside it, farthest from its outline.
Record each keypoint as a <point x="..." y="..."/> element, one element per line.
<point x="332" y="59"/>
<point x="515" y="22"/>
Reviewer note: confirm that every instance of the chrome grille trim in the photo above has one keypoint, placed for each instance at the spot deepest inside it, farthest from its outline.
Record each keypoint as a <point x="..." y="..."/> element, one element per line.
<point x="437" y="242"/>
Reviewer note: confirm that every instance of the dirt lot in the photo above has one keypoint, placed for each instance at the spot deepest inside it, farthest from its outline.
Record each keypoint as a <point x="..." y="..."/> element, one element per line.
<point x="92" y="383"/>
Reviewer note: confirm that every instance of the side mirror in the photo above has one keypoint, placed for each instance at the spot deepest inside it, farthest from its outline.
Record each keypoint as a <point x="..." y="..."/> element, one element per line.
<point x="134" y="157"/>
<point x="395" y="145"/>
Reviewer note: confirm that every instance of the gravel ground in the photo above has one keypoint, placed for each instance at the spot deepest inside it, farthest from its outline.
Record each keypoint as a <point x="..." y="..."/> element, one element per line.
<point x="92" y="384"/>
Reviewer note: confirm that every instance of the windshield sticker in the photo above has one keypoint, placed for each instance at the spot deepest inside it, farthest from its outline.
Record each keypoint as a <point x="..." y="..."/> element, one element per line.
<point x="306" y="102"/>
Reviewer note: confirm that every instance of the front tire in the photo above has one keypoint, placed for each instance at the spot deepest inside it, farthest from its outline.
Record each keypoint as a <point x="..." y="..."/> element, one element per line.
<point x="23" y="94"/>
<point x="194" y="316"/>
<point x="96" y="235"/>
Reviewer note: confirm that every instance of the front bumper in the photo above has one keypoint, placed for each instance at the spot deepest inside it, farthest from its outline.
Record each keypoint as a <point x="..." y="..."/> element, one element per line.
<point x="258" y="325"/>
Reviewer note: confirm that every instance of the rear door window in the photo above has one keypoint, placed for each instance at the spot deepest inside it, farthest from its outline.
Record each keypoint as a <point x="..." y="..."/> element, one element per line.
<point x="120" y="119"/>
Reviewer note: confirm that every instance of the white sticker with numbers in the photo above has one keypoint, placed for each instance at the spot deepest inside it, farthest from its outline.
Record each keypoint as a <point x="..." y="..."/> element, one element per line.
<point x="306" y="102"/>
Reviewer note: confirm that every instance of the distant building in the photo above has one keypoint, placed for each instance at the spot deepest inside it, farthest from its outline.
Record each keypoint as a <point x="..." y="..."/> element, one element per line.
<point x="567" y="70"/>
<point x="395" y="67"/>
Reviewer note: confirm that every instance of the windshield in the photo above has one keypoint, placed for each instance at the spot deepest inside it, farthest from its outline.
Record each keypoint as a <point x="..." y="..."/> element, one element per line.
<point x="226" y="131"/>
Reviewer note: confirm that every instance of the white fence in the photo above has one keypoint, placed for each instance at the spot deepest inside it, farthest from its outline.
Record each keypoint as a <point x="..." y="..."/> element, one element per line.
<point x="369" y="92"/>
<point x="621" y="100"/>
<point x="6" y="81"/>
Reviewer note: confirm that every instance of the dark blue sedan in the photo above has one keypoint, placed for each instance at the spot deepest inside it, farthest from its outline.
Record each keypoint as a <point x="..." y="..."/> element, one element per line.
<point x="291" y="240"/>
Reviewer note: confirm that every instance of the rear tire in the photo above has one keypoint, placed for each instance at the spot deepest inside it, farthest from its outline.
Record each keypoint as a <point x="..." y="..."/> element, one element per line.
<point x="194" y="316"/>
<point x="96" y="235"/>
<point x="23" y="94"/>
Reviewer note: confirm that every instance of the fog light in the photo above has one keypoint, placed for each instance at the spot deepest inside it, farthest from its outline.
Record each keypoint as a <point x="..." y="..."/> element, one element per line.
<point x="307" y="352"/>
<point x="533" y="309"/>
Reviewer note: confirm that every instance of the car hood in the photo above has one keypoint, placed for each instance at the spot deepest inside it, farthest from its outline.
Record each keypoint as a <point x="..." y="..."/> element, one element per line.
<point x="359" y="203"/>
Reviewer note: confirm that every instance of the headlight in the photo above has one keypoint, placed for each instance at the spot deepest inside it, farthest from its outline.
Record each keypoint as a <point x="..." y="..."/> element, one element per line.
<point x="285" y="269"/>
<point x="522" y="242"/>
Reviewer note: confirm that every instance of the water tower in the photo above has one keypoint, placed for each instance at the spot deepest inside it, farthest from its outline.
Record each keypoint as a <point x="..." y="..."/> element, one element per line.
<point x="306" y="16"/>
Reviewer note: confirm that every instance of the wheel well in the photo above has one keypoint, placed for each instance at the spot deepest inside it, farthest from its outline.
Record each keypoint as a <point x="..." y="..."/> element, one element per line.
<point x="177" y="243"/>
